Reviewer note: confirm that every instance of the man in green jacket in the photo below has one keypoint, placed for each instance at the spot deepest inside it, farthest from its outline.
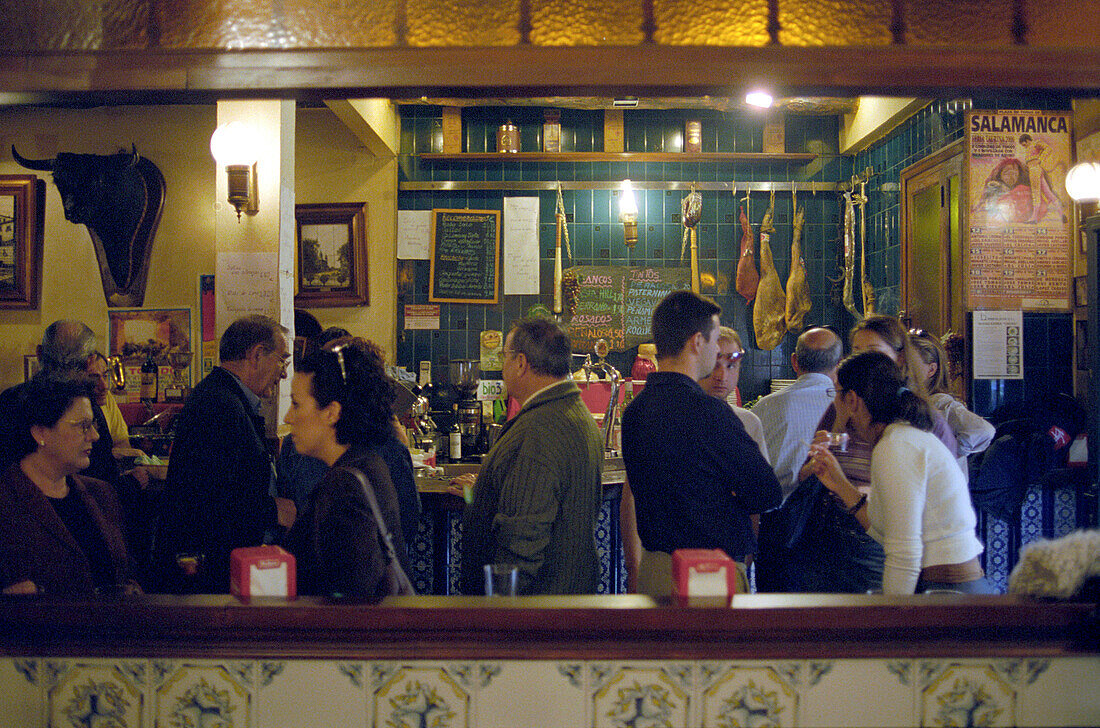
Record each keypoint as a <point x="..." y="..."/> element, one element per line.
<point x="538" y="493"/>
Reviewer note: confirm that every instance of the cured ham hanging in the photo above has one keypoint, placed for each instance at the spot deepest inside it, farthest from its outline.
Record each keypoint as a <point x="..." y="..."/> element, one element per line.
<point x="747" y="278"/>
<point x="798" y="294"/>
<point x="768" y="311"/>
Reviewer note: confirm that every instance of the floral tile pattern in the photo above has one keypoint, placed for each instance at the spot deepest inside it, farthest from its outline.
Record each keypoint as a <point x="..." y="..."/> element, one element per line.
<point x="743" y="695"/>
<point x="637" y="696"/>
<point x="968" y="695"/>
<point x="95" y="694"/>
<point x="191" y="694"/>
<point x="121" y="693"/>
<point x="408" y="696"/>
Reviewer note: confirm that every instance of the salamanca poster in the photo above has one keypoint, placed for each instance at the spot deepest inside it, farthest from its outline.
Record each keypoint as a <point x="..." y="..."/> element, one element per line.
<point x="1019" y="229"/>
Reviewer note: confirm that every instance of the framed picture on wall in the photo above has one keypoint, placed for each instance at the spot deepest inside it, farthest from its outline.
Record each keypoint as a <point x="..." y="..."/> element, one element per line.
<point x="331" y="259"/>
<point x="22" y="214"/>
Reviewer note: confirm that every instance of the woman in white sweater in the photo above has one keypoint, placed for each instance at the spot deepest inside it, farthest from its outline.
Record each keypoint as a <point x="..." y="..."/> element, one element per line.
<point x="973" y="433"/>
<point x="919" y="508"/>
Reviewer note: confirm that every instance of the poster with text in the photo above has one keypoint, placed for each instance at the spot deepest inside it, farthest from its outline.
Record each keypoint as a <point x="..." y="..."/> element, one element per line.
<point x="1020" y="220"/>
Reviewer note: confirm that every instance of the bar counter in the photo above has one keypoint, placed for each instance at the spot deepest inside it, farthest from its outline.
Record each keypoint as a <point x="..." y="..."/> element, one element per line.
<point x="810" y="660"/>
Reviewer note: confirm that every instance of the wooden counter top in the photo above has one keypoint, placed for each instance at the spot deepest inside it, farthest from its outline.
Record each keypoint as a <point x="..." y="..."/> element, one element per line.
<point x="591" y="627"/>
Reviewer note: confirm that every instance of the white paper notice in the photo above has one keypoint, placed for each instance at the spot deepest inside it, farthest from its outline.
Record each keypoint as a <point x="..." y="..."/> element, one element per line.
<point x="521" y="245"/>
<point x="414" y="231"/>
<point x="248" y="283"/>
<point x="998" y="344"/>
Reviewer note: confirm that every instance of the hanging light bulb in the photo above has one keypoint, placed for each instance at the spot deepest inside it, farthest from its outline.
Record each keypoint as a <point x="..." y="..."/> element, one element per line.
<point x="759" y="97"/>
<point x="628" y="214"/>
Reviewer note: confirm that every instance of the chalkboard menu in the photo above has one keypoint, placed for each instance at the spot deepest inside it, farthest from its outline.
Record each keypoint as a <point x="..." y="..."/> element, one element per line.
<point x="464" y="256"/>
<point x="616" y="303"/>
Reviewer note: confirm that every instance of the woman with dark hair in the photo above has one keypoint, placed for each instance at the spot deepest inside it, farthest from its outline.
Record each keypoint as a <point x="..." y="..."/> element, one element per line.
<point x="972" y="432"/>
<point x="919" y="507"/>
<point x="340" y="409"/>
<point x="59" y="531"/>
<point x="835" y="554"/>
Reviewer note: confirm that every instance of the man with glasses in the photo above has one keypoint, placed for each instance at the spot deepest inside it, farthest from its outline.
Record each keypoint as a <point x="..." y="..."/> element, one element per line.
<point x="536" y="498"/>
<point x="790" y="418"/>
<point x="221" y="476"/>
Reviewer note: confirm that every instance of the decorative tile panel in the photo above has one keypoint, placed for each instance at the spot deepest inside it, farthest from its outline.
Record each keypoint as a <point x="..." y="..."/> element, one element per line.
<point x="97" y="694"/>
<point x="411" y="696"/>
<point x="628" y="695"/>
<point x="742" y="695"/>
<point x="200" y="694"/>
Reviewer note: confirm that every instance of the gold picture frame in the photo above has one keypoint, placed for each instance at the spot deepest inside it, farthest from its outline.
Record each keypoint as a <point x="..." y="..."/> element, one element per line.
<point x="22" y="216"/>
<point x="331" y="255"/>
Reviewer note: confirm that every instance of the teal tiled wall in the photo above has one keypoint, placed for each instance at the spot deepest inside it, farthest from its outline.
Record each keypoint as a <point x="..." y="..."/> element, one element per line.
<point x="597" y="236"/>
<point x="1048" y="338"/>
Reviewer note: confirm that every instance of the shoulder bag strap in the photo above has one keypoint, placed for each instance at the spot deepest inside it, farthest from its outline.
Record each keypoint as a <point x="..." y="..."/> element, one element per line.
<point x="387" y="539"/>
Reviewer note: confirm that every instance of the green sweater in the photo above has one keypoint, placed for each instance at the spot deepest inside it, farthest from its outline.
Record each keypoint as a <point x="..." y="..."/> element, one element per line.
<point x="537" y="497"/>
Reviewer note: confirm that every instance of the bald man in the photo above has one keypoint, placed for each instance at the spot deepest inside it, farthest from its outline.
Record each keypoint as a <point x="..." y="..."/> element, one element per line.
<point x="790" y="417"/>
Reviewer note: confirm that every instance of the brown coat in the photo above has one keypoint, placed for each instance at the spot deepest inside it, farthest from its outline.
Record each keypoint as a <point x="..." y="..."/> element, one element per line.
<point x="36" y="545"/>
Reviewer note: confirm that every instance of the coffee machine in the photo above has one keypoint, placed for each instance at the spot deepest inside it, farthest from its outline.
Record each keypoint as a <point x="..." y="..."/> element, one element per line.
<point x="464" y="377"/>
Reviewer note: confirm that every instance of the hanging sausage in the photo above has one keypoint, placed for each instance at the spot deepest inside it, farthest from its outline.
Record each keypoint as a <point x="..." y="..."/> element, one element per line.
<point x="768" y="311"/>
<point x="798" y="294"/>
<point x="850" y="257"/>
<point x="865" y="282"/>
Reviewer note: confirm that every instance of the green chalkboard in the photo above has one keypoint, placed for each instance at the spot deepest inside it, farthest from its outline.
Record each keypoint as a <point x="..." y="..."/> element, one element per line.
<point x="616" y="303"/>
<point x="465" y="256"/>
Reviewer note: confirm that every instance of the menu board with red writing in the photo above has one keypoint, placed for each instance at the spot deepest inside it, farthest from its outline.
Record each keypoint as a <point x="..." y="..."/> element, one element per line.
<point x="1019" y="229"/>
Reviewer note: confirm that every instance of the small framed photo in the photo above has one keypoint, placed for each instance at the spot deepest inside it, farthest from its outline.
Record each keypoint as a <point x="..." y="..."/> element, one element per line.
<point x="1080" y="291"/>
<point x="30" y="366"/>
<point x="331" y="261"/>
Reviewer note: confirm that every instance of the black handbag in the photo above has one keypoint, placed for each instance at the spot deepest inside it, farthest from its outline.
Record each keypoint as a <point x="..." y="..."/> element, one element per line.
<point x="397" y="581"/>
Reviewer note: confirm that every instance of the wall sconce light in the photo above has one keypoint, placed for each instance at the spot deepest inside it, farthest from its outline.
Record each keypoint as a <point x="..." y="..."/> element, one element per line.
<point x="233" y="146"/>
<point x="1083" y="182"/>
<point x="628" y="215"/>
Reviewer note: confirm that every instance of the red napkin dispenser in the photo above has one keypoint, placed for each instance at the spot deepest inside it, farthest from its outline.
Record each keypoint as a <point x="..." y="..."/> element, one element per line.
<point x="703" y="573"/>
<point x="262" y="571"/>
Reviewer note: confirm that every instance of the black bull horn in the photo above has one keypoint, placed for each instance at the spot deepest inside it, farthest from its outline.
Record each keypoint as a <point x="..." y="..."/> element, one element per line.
<point x="41" y="165"/>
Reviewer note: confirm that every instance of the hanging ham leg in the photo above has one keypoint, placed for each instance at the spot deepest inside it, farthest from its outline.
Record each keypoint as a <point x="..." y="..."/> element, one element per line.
<point x="767" y="312"/>
<point x="850" y="257"/>
<point x="747" y="277"/>
<point x="798" y="294"/>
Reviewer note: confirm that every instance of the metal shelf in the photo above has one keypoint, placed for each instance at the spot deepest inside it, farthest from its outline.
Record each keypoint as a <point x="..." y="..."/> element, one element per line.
<point x="620" y="157"/>
<point x="510" y="186"/>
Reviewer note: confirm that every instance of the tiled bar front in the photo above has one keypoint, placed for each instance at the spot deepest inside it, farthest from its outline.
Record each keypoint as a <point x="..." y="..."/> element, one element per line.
<point x="594" y="661"/>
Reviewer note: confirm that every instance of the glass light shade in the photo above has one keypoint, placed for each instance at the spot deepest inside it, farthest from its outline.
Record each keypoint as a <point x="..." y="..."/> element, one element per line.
<point x="234" y="143"/>
<point x="628" y="205"/>
<point x="1083" y="181"/>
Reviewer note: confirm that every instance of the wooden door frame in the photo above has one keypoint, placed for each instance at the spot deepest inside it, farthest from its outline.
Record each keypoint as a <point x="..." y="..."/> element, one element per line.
<point x="908" y="176"/>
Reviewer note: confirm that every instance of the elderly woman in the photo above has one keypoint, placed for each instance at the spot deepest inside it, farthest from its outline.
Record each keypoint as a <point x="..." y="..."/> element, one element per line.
<point x="340" y="406"/>
<point x="919" y="507"/>
<point x="59" y="531"/>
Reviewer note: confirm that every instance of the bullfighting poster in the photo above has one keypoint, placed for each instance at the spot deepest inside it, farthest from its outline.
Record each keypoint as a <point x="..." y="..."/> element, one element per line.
<point x="1020" y="220"/>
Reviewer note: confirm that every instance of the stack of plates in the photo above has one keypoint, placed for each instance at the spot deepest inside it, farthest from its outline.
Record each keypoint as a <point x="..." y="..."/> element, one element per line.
<point x="778" y="384"/>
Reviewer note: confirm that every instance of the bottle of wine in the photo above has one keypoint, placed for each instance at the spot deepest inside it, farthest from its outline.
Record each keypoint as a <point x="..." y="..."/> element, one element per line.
<point x="149" y="371"/>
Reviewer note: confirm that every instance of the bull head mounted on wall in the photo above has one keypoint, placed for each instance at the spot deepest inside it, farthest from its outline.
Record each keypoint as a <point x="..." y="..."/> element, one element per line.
<point x="119" y="198"/>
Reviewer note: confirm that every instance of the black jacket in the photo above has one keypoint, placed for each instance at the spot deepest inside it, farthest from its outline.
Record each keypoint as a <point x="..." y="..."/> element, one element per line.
<point x="217" y="492"/>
